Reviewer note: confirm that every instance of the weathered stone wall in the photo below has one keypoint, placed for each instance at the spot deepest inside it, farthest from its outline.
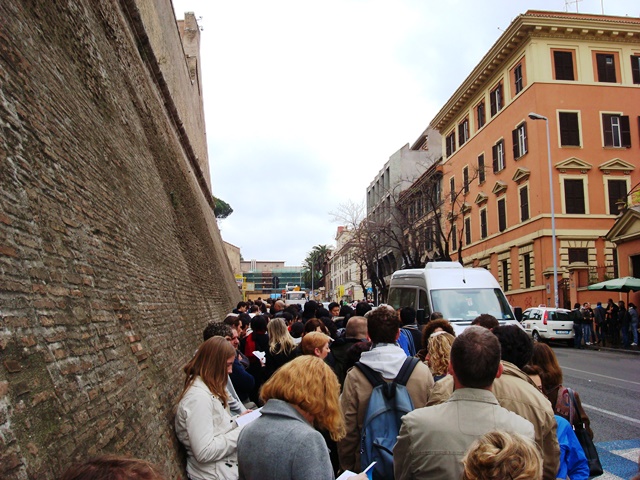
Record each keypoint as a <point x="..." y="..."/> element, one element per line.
<point x="110" y="258"/>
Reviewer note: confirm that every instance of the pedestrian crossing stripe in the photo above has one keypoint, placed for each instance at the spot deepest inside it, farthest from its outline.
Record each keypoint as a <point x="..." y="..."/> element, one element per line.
<point x="619" y="458"/>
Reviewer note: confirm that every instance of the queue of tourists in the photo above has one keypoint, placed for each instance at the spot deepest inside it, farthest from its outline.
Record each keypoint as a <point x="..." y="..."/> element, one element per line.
<point x="275" y="392"/>
<point x="608" y="325"/>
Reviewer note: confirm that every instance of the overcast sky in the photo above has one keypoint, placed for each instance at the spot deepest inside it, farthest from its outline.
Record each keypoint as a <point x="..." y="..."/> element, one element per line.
<point x="305" y="101"/>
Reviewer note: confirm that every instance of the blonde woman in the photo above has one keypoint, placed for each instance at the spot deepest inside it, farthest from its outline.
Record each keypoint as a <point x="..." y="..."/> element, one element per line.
<point x="438" y="354"/>
<point x="283" y="443"/>
<point x="502" y="455"/>
<point x="281" y="346"/>
<point x="315" y="343"/>
<point x="203" y="422"/>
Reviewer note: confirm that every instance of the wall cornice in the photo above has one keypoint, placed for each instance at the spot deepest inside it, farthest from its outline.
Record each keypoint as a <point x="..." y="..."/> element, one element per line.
<point x="535" y="24"/>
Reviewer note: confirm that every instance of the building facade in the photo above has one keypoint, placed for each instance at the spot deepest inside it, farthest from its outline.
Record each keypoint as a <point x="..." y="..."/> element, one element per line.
<point x="582" y="73"/>
<point x="346" y="274"/>
<point x="625" y="234"/>
<point x="383" y="194"/>
<point x="267" y="279"/>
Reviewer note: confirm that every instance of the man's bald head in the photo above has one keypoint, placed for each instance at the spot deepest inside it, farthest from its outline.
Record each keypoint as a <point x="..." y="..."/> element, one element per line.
<point x="356" y="328"/>
<point x="278" y="306"/>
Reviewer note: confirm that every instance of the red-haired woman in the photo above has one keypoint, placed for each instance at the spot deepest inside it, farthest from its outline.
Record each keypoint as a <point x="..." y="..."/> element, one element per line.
<point x="283" y="444"/>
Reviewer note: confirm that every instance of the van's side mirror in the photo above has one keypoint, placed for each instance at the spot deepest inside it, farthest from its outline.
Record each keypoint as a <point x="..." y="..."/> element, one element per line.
<point x="518" y="313"/>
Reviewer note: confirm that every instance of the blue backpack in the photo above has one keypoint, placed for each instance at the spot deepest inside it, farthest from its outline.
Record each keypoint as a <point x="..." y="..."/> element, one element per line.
<point x="405" y="340"/>
<point x="389" y="401"/>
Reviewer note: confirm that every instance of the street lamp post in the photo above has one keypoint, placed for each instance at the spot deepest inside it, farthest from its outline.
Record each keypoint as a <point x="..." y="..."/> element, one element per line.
<point x="537" y="116"/>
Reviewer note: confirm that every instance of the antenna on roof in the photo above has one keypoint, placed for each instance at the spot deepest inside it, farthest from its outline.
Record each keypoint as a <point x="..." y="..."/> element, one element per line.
<point x="568" y="3"/>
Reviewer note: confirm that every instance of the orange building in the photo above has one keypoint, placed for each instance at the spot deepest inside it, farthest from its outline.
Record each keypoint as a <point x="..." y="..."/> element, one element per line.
<point x="581" y="72"/>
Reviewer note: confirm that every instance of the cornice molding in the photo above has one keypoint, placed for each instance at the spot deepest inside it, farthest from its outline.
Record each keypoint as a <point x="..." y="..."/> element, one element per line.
<point x="481" y="198"/>
<point x="573" y="163"/>
<point x="538" y="24"/>
<point x="522" y="173"/>
<point x="499" y="187"/>
<point x="618" y="165"/>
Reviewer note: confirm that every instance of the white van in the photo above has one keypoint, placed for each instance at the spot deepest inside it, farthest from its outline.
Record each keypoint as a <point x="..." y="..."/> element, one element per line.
<point x="295" y="297"/>
<point x="460" y="294"/>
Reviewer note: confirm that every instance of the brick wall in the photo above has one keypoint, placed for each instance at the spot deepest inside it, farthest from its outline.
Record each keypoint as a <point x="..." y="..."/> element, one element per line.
<point x="110" y="257"/>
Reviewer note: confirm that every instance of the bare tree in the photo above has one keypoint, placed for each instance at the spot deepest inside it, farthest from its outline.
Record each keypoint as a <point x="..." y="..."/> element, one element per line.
<point x="363" y="242"/>
<point x="421" y="224"/>
<point x="433" y="222"/>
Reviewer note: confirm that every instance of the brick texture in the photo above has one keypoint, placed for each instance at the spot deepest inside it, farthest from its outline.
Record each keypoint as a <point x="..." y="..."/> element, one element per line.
<point x="110" y="257"/>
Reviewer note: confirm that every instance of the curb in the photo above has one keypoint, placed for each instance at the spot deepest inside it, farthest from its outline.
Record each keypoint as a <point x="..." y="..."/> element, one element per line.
<point x="633" y="351"/>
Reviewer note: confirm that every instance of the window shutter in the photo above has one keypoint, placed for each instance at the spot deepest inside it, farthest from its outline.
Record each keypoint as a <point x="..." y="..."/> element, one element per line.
<point x="574" y="196"/>
<point x="454" y="238"/>
<point x="606" y="67"/>
<point x="524" y="204"/>
<point x="481" y="116"/>
<point x="635" y="68"/>
<point x="564" y="65"/>
<point x="574" y="130"/>
<point x="502" y="221"/>
<point x="625" y="131"/>
<point x="607" y="130"/>
<point x="467" y="231"/>
<point x="494" y="108"/>
<point x="569" y="129"/>
<point x="494" y="150"/>
<point x="526" y="138"/>
<point x="617" y="190"/>
<point x="602" y="67"/>
<point x="481" y="168"/>
<point x="516" y="149"/>
<point x="452" y="184"/>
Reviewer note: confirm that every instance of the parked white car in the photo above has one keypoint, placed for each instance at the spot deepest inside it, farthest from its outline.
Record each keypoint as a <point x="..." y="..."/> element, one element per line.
<point x="544" y="323"/>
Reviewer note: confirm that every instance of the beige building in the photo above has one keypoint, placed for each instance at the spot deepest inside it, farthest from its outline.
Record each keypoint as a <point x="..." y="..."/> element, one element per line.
<point x="346" y="274"/>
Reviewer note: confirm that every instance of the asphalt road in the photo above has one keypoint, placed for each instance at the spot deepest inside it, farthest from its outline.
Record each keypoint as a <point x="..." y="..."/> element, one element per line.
<point x="609" y="387"/>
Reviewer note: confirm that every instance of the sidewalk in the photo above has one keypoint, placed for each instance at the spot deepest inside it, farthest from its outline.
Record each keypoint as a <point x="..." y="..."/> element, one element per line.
<point x="630" y="350"/>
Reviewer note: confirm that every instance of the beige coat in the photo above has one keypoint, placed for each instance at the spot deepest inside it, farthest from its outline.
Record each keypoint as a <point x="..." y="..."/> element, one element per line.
<point x="354" y="401"/>
<point x="433" y="440"/>
<point x="516" y="392"/>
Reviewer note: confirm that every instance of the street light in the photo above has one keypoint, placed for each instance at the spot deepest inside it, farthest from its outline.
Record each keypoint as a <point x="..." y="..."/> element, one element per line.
<point x="537" y="116"/>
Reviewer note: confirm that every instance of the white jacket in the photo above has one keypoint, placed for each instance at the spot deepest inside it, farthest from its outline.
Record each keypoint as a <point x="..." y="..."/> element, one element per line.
<point x="209" y="434"/>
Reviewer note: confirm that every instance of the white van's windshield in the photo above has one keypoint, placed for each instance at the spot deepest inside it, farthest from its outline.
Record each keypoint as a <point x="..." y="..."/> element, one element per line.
<point x="295" y="295"/>
<point x="469" y="303"/>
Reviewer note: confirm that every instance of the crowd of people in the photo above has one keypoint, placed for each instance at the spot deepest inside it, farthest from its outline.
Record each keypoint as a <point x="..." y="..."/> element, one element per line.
<point x="485" y="404"/>
<point x="612" y="325"/>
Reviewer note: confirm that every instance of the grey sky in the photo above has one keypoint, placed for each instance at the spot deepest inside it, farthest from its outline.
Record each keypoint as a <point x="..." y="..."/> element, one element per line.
<point x="305" y="101"/>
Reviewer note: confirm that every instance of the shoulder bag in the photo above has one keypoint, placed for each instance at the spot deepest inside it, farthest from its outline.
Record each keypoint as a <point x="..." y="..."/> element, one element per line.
<point x="595" y="467"/>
